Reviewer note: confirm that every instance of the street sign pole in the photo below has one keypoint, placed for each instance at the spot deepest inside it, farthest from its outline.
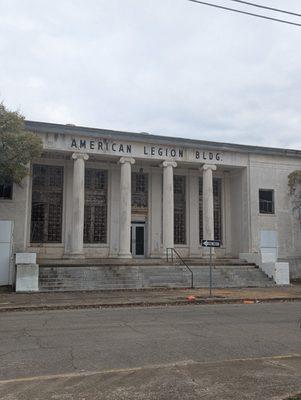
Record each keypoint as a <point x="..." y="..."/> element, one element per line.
<point x="210" y="243"/>
<point x="210" y="273"/>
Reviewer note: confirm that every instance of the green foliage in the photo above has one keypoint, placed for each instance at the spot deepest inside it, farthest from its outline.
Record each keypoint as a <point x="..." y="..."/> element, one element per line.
<point x="293" y="178"/>
<point x="17" y="146"/>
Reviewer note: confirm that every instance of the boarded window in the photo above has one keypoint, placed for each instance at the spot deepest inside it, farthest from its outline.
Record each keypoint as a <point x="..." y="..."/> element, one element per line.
<point x="179" y="209"/>
<point x="139" y="192"/>
<point x="96" y="206"/>
<point x="217" y="208"/>
<point x="47" y="204"/>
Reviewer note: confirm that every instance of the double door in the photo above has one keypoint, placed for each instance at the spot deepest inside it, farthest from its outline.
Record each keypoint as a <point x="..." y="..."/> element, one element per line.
<point x="138" y="239"/>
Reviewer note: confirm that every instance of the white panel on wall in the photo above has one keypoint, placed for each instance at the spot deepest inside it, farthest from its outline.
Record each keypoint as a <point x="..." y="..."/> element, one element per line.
<point x="269" y="243"/>
<point x="268" y="238"/>
<point x="5" y="251"/>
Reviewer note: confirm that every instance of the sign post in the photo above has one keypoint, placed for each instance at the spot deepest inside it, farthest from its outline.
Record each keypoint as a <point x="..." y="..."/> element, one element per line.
<point x="210" y="244"/>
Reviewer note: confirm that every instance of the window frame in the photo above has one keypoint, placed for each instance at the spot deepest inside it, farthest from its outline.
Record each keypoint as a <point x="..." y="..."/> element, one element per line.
<point x="35" y="243"/>
<point x="262" y="212"/>
<point x="8" y="183"/>
<point x="142" y="209"/>
<point x="89" y="230"/>
<point x="184" y="211"/>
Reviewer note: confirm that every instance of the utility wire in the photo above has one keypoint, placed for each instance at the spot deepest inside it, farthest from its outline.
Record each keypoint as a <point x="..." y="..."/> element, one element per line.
<point x="267" y="8"/>
<point x="244" y="12"/>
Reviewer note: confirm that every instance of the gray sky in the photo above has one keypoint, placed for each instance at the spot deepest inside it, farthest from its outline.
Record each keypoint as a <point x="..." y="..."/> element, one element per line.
<point x="167" y="67"/>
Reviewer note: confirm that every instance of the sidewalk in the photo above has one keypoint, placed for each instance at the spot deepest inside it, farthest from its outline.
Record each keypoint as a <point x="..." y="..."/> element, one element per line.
<point x="11" y="301"/>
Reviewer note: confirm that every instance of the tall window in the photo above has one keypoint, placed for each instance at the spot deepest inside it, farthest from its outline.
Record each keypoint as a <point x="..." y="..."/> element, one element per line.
<point x="266" y="201"/>
<point x="139" y="192"/>
<point x="47" y="204"/>
<point x="217" y="208"/>
<point x="96" y="206"/>
<point x="179" y="209"/>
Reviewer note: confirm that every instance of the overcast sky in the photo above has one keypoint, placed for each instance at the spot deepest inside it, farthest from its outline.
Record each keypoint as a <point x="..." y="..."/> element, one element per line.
<point x="167" y="67"/>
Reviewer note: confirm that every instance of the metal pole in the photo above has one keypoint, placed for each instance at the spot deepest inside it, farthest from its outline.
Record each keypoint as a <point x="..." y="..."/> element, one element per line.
<point x="210" y="273"/>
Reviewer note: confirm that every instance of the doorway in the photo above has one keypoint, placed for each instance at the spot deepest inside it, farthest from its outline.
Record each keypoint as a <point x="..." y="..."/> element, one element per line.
<point x="138" y="239"/>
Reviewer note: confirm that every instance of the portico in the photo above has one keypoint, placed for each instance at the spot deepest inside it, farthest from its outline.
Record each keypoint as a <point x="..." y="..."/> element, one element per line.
<point x="126" y="207"/>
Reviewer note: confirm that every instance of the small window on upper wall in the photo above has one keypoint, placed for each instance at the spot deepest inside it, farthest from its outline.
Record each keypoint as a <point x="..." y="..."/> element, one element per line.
<point x="6" y="190"/>
<point x="266" y="201"/>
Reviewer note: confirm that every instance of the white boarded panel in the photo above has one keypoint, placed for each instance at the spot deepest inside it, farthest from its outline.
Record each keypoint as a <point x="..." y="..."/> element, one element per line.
<point x="5" y="231"/>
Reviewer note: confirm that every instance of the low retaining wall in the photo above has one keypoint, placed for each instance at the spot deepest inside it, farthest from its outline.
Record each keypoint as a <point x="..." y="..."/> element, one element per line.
<point x="279" y="271"/>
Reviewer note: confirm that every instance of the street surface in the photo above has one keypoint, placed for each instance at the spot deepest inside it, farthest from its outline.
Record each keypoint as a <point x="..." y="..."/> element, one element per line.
<point x="189" y="352"/>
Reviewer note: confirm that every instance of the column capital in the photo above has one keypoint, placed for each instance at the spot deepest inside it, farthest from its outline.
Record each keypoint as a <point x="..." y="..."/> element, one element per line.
<point x="169" y="164"/>
<point x="124" y="160"/>
<point x="207" y="167"/>
<point x="82" y="156"/>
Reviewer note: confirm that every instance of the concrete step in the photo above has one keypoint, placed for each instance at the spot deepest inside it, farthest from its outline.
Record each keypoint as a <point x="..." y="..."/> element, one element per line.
<point x="137" y="262"/>
<point x="102" y="277"/>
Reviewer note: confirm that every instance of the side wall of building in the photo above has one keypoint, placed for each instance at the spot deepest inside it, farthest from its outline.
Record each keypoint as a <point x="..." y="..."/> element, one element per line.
<point x="271" y="172"/>
<point x="16" y="210"/>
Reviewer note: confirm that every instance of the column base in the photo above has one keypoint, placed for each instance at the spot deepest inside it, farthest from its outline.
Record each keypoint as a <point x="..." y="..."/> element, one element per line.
<point x="125" y="255"/>
<point x="74" y="256"/>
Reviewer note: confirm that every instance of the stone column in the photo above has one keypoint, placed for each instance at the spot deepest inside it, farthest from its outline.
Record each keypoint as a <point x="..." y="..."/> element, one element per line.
<point x="168" y="204"/>
<point x="194" y="217"/>
<point x="227" y="214"/>
<point x="155" y="213"/>
<point x="208" y="217"/>
<point x="125" y="207"/>
<point x="78" y="192"/>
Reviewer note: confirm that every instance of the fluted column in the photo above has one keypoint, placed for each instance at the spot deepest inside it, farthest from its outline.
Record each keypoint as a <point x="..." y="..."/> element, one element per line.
<point x="78" y="199"/>
<point x="168" y="204"/>
<point x="208" y="216"/>
<point x="125" y="207"/>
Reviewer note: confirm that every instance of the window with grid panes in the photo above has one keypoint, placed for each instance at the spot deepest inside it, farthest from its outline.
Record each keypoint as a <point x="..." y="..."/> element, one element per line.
<point x="266" y="201"/>
<point x="179" y="209"/>
<point x="47" y="204"/>
<point x="217" y="208"/>
<point x="139" y="191"/>
<point x="96" y="206"/>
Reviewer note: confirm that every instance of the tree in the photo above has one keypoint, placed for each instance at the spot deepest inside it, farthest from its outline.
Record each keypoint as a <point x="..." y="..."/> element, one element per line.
<point x="17" y="146"/>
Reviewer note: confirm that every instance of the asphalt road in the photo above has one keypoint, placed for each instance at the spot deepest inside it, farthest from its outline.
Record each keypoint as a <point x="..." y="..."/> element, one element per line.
<point x="211" y="352"/>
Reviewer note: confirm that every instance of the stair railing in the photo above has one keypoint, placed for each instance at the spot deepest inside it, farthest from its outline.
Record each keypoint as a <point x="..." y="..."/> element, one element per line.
<point x="170" y="253"/>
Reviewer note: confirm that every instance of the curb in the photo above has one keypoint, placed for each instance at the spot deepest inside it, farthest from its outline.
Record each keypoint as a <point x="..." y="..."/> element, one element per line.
<point x="206" y="301"/>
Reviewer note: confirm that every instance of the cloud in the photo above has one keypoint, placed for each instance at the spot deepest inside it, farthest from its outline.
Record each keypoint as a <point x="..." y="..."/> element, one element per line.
<point x="169" y="67"/>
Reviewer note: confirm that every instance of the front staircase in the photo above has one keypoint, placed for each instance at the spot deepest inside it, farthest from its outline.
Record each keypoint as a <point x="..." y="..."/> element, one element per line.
<point x="62" y="275"/>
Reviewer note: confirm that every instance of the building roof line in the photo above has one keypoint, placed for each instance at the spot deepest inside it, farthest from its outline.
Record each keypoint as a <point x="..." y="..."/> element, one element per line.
<point x="47" y="127"/>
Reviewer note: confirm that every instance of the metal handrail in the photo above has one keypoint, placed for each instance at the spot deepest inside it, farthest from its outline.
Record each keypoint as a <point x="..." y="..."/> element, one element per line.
<point x="173" y="250"/>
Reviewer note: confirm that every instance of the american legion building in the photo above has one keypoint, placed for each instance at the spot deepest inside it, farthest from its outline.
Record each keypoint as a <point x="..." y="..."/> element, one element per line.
<point x="103" y="195"/>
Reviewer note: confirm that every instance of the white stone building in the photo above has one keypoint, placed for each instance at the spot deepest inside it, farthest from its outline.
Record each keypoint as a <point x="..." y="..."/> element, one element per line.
<point x="96" y="193"/>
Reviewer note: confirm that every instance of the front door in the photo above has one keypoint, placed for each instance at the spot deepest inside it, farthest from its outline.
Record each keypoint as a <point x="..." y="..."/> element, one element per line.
<point x="138" y="239"/>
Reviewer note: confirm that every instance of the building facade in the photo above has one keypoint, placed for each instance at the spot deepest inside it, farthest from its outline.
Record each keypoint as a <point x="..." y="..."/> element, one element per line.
<point x="96" y="193"/>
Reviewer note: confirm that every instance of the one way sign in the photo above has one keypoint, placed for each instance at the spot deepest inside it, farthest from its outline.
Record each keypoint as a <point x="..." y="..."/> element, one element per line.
<point x="211" y="243"/>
